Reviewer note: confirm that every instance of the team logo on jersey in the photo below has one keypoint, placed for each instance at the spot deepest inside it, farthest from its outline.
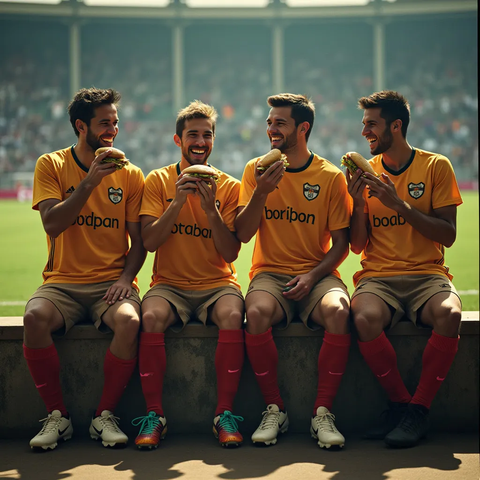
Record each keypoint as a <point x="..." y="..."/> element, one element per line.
<point x="217" y="203"/>
<point x="311" y="191"/>
<point x="115" y="195"/>
<point x="416" y="189"/>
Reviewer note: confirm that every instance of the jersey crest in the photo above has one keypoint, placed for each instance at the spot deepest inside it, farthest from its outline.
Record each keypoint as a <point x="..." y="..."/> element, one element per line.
<point x="416" y="190"/>
<point x="115" y="195"/>
<point x="311" y="191"/>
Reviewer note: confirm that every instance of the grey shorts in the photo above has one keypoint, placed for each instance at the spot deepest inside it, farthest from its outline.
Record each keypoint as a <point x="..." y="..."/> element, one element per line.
<point x="405" y="294"/>
<point x="274" y="283"/>
<point x="79" y="302"/>
<point x="191" y="304"/>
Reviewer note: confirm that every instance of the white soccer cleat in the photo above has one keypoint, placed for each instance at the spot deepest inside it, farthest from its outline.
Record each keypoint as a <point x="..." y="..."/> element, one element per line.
<point x="324" y="430"/>
<point x="105" y="427"/>
<point x="273" y="421"/>
<point x="55" y="427"/>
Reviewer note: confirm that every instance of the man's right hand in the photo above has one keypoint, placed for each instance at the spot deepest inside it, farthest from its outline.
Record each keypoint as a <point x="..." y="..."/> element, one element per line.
<point x="356" y="186"/>
<point x="185" y="186"/>
<point x="98" y="171"/>
<point x="270" y="178"/>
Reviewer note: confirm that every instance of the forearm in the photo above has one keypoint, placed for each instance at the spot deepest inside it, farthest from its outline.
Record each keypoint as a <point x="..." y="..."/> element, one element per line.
<point x="156" y="233"/>
<point x="431" y="227"/>
<point x="332" y="260"/>
<point x="62" y="215"/>
<point x="248" y="220"/>
<point x="134" y="261"/>
<point x="225" y="241"/>
<point x="358" y="230"/>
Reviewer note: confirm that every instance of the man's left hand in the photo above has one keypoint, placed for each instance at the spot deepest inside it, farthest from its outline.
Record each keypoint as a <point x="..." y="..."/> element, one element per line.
<point x="383" y="189"/>
<point x="301" y="286"/>
<point x="207" y="195"/>
<point x="120" y="290"/>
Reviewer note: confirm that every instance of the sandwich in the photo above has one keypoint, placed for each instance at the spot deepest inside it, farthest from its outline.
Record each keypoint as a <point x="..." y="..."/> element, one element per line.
<point x="354" y="161"/>
<point x="116" y="156"/>
<point x="270" y="158"/>
<point x="203" y="172"/>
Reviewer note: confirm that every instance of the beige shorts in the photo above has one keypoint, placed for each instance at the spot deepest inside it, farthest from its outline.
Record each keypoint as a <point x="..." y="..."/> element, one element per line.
<point x="274" y="283"/>
<point x="405" y="294"/>
<point x="80" y="302"/>
<point x="191" y="304"/>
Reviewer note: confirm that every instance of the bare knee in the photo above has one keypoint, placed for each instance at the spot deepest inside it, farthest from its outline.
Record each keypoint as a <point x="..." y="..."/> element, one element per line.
<point x="126" y="324"/>
<point x="155" y="322"/>
<point x="334" y="318"/>
<point x="38" y="326"/>
<point x="447" y="320"/>
<point x="232" y="320"/>
<point x="368" y="325"/>
<point x="259" y="319"/>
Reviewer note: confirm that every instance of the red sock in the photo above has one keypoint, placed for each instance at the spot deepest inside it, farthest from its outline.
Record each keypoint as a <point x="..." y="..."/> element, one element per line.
<point x="382" y="360"/>
<point x="228" y="364"/>
<point x="332" y="361"/>
<point x="44" y="366"/>
<point x="117" y="373"/>
<point x="263" y="356"/>
<point x="437" y="358"/>
<point x="152" y="364"/>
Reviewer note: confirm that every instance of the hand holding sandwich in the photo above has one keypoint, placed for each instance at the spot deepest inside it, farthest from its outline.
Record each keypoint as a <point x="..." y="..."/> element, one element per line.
<point x="269" y="171"/>
<point x="106" y="161"/>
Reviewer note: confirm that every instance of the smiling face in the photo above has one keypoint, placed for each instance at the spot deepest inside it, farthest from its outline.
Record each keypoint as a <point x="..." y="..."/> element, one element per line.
<point x="103" y="127"/>
<point x="281" y="129"/>
<point x="376" y="131"/>
<point x="197" y="140"/>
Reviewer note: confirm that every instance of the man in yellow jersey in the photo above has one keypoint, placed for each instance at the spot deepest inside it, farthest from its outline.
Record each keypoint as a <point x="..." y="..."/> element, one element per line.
<point x="402" y="221"/>
<point x="188" y="222"/>
<point x="89" y="211"/>
<point x="295" y="213"/>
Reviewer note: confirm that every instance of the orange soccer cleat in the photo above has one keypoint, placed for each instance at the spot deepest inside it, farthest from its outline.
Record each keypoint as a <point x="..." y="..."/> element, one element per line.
<point x="153" y="428"/>
<point x="225" y="428"/>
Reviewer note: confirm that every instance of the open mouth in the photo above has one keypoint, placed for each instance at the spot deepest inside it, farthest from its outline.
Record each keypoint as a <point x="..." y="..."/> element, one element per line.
<point x="275" y="139"/>
<point x="372" y="141"/>
<point x="107" y="141"/>
<point x="198" y="152"/>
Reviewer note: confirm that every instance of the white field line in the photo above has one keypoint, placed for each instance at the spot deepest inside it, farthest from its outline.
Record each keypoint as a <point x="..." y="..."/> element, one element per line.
<point x="20" y="303"/>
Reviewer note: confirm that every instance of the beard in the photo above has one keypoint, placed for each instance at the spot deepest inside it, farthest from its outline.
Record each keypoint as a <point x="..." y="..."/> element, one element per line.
<point x="93" y="142"/>
<point x="384" y="142"/>
<point x="289" y="142"/>
<point x="194" y="161"/>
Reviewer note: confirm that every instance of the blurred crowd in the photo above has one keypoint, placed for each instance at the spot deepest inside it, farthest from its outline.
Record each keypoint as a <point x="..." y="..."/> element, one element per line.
<point x="231" y="69"/>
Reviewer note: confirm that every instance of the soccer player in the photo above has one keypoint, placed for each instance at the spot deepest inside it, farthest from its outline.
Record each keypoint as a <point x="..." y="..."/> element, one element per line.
<point x="402" y="221"/>
<point x="89" y="211"/>
<point x="188" y="222"/>
<point x="295" y="213"/>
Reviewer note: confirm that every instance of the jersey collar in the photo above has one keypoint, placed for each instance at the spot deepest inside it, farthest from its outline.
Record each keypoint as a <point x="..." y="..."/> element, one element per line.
<point x="399" y="172"/>
<point x="77" y="161"/>
<point x="301" y="169"/>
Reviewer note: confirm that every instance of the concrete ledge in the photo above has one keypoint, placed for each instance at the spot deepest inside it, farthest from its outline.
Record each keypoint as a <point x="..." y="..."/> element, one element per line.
<point x="11" y="328"/>
<point x="190" y="383"/>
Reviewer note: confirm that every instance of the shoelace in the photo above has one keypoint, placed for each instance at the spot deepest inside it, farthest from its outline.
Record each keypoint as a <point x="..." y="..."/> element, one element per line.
<point x="147" y="423"/>
<point x="270" y="419"/>
<point x="51" y="423"/>
<point x="410" y="421"/>
<point x="228" y="421"/>
<point x="110" y="423"/>
<point x="324" y="422"/>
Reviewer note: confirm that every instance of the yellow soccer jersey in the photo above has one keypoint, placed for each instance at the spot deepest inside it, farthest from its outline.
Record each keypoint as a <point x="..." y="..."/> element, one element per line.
<point x="298" y="216"/>
<point x="394" y="247"/>
<point x="93" y="249"/>
<point x="189" y="259"/>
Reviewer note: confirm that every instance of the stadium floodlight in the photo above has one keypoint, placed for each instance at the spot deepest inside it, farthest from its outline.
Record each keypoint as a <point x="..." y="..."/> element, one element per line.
<point x="326" y="3"/>
<point x="226" y="3"/>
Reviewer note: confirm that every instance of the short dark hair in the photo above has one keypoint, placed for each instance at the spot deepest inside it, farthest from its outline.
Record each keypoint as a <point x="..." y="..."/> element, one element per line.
<point x="86" y="100"/>
<point x="392" y="106"/>
<point x="303" y="109"/>
<point x="196" y="109"/>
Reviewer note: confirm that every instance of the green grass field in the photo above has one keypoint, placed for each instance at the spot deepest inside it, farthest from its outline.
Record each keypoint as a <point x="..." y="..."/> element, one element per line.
<point x="23" y="254"/>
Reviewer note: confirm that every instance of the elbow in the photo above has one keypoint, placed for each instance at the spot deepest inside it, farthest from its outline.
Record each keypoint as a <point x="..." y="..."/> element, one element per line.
<point x="149" y="246"/>
<point x="356" y="249"/>
<point x="51" y="231"/>
<point x="243" y="237"/>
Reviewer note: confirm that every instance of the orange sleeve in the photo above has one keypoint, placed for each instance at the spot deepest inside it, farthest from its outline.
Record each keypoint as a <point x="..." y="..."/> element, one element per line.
<point x="248" y="184"/>
<point x="229" y="211"/>
<point x="152" y="201"/>
<point x="340" y="208"/>
<point x="445" y="189"/>
<point x="45" y="182"/>
<point x="135" y="185"/>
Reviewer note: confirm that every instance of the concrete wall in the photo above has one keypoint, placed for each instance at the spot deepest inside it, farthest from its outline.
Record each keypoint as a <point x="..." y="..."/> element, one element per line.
<point x="190" y="382"/>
